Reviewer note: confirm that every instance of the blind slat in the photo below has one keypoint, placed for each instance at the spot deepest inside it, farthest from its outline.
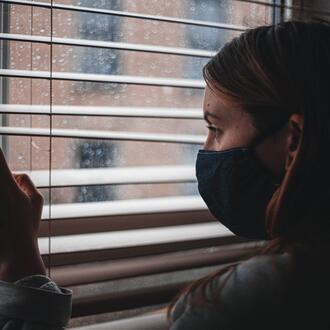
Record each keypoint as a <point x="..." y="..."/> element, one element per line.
<point x="125" y="207"/>
<point x="71" y="110"/>
<point x="102" y="135"/>
<point x="121" y="79"/>
<point x="108" y="45"/>
<point x="117" y="175"/>
<point x="132" y="238"/>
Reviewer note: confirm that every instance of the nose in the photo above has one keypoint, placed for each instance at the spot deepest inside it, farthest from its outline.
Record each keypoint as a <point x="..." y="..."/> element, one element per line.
<point x="207" y="143"/>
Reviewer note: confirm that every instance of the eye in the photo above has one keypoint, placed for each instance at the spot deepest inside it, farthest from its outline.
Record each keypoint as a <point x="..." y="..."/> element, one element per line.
<point x="214" y="130"/>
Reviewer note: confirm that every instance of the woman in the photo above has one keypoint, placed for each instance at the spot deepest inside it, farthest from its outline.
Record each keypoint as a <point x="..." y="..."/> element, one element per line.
<point x="263" y="172"/>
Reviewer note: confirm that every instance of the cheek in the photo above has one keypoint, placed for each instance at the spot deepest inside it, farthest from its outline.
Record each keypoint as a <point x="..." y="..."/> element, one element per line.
<point x="273" y="154"/>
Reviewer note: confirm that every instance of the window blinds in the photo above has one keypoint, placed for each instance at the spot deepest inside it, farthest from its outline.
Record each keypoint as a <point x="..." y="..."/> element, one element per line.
<point x="101" y="106"/>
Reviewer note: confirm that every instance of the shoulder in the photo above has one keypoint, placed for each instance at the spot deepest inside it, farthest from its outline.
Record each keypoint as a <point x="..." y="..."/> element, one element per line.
<point x="254" y="287"/>
<point x="260" y="271"/>
<point x="257" y="283"/>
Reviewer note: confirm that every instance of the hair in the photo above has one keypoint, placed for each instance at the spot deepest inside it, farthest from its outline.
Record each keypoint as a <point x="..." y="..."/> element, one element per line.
<point x="272" y="72"/>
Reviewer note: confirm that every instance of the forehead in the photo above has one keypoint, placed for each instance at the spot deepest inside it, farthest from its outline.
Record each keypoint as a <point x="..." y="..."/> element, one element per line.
<point x="215" y="104"/>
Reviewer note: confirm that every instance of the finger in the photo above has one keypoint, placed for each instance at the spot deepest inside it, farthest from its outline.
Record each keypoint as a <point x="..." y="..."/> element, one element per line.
<point x="6" y="177"/>
<point x="26" y="185"/>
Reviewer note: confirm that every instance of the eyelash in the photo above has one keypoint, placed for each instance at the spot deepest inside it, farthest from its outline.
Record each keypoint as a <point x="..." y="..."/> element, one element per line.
<point x="213" y="129"/>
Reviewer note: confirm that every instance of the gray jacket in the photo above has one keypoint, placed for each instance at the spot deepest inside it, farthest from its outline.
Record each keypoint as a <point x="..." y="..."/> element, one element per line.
<point x="34" y="303"/>
<point x="269" y="292"/>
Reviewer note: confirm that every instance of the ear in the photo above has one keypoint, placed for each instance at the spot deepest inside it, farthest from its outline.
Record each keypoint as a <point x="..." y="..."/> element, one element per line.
<point x="295" y="128"/>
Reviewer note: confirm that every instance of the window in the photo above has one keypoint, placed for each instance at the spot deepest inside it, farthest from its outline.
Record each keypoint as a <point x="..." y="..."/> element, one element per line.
<point x="94" y="155"/>
<point x="101" y="105"/>
<point x="204" y="38"/>
<point x="98" y="27"/>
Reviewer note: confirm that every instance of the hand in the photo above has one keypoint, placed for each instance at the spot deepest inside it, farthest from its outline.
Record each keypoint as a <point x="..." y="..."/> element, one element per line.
<point x="20" y="215"/>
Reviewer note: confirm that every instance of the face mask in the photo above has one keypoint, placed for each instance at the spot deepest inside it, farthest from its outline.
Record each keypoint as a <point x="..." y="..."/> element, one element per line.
<point x="237" y="187"/>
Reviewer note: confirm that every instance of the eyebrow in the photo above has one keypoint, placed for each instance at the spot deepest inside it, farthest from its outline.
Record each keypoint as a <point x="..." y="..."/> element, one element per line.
<point x="208" y="114"/>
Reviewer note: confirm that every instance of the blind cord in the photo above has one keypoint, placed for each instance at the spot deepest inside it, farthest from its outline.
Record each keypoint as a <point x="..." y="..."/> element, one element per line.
<point x="50" y="138"/>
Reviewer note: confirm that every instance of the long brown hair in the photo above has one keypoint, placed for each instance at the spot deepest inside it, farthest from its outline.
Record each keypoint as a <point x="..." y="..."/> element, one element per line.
<point x="272" y="72"/>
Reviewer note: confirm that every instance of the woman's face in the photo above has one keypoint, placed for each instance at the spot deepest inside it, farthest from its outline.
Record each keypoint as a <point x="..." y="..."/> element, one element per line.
<point x="231" y="127"/>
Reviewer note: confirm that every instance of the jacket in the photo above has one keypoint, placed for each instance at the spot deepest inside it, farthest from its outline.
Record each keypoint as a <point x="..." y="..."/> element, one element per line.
<point x="266" y="292"/>
<point x="34" y="302"/>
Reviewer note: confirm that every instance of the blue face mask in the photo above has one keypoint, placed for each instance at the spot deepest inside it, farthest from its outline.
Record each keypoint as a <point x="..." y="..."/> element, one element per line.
<point x="237" y="187"/>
